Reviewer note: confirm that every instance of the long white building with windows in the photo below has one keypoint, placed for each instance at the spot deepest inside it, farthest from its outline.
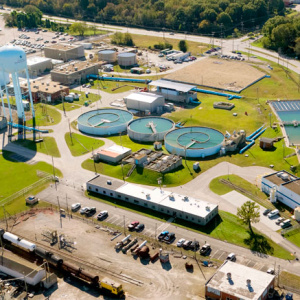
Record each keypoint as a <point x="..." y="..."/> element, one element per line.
<point x="180" y="206"/>
<point x="282" y="186"/>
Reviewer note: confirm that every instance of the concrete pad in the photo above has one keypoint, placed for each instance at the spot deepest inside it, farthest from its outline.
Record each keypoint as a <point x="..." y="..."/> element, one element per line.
<point x="238" y="200"/>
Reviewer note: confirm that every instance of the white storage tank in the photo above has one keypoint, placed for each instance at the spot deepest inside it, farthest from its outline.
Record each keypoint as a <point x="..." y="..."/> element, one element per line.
<point x="4" y="79"/>
<point x="107" y="55"/>
<point x="127" y="59"/>
<point x="19" y="242"/>
<point x="12" y="58"/>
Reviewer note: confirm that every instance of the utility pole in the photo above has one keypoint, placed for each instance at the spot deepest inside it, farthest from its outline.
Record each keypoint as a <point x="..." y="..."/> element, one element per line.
<point x="221" y="39"/>
<point x="155" y="230"/>
<point x="53" y="169"/>
<point x="70" y="131"/>
<point x="232" y="42"/>
<point x="278" y="283"/>
<point x="4" y="212"/>
<point x="213" y="39"/>
<point x="67" y="206"/>
<point x="124" y="224"/>
<point x="59" y="212"/>
<point x="94" y="161"/>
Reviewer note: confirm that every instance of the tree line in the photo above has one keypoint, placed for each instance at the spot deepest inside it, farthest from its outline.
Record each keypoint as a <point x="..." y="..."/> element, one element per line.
<point x="282" y="35"/>
<point x="220" y="17"/>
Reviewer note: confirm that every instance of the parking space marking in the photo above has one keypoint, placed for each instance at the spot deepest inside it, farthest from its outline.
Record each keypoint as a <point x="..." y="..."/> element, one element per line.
<point x="215" y="254"/>
<point x="119" y="223"/>
<point x="224" y="254"/>
<point x="113" y="219"/>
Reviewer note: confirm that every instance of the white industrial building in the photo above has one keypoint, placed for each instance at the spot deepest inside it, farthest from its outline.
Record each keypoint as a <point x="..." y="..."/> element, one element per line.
<point x="113" y="154"/>
<point x="37" y="65"/>
<point x="236" y="282"/>
<point x="183" y="207"/>
<point x="282" y="186"/>
<point x="144" y="101"/>
<point x="174" y="91"/>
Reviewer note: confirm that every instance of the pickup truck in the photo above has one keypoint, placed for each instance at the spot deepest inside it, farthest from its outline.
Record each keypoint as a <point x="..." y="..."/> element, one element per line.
<point x="132" y="225"/>
<point x="162" y="235"/>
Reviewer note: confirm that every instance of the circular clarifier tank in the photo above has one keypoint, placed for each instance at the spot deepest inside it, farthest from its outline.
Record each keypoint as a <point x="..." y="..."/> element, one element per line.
<point x="194" y="141"/>
<point x="107" y="121"/>
<point x="149" y="129"/>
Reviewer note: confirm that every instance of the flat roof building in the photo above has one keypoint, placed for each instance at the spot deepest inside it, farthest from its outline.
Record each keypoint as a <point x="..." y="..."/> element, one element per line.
<point x="235" y="281"/>
<point x="190" y="209"/>
<point x="64" y="52"/>
<point x="74" y="72"/>
<point x="37" y="65"/>
<point x="42" y="90"/>
<point x="174" y="91"/>
<point x="282" y="186"/>
<point x="144" y="101"/>
<point x="113" y="154"/>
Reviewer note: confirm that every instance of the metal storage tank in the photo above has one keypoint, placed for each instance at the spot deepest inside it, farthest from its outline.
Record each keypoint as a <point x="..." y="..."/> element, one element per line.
<point x="17" y="241"/>
<point x="106" y="121"/>
<point x="194" y="141"/>
<point x="4" y="78"/>
<point x="107" y="55"/>
<point x="126" y="59"/>
<point x="149" y="129"/>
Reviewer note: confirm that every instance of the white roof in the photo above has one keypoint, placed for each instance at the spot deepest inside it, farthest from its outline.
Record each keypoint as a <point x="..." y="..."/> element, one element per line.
<point x="175" y="201"/>
<point x="118" y="149"/>
<point x="143" y="97"/>
<point x="238" y="286"/>
<point x="36" y="59"/>
<point x="181" y="87"/>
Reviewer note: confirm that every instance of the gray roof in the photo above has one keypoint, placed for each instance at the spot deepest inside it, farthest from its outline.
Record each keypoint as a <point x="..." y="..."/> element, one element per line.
<point x="101" y="181"/>
<point x="181" y="87"/>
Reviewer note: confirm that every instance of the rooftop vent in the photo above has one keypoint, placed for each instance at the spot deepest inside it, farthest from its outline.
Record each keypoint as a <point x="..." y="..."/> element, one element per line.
<point x="148" y="197"/>
<point x="43" y="83"/>
<point x="285" y="177"/>
<point x="48" y="83"/>
<point x="76" y="69"/>
<point x="46" y="89"/>
<point x="108" y="182"/>
<point x="54" y="85"/>
<point x="185" y="198"/>
<point x="171" y="197"/>
<point x="248" y="282"/>
<point x="228" y="275"/>
<point x="207" y="208"/>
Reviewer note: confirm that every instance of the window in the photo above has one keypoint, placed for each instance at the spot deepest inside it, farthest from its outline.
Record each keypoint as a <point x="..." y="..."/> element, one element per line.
<point x="186" y="217"/>
<point x="192" y="218"/>
<point x="213" y="291"/>
<point x="126" y="198"/>
<point x="180" y="215"/>
<point x="136" y="201"/>
<point x="90" y="187"/>
<point x="153" y="207"/>
<point x="119" y="196"/>
<point x="168" y="211"/>
<point x="162" y="209"/>
<point x="145" y="204"/>
<point x="104" y="192"/>
<point x="227" y="298"/>
<point x="96" y="190"/>
<point x="111" y="194"/>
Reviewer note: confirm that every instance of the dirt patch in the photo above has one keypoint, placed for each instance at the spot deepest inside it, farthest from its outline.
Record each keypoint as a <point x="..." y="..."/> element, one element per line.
<point x="158" y="281"/>
<point x="218" y="73"/>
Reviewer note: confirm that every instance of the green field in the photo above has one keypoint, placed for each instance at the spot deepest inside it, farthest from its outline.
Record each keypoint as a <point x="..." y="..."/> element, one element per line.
<point x="78" y="103"/>
<point x="15" y="176"/>
<point x="113" y="87"/>
<point x="293" y="236"/>
<point x="47" y="146"/>
<point x="80" y="144"/>
<point x="142" y="42"/>
<point x="45" y="115"/>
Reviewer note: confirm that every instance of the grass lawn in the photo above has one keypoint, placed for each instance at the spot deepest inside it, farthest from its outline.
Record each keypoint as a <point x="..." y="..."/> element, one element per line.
<point x="78" y="103"/>
<point x="258" y="43"/>
<point x="293" y="236"/>
<point x="47" y="146"/>
<point x="224" y="227"/>
<point x="81" y="144"/>
<point x="45" y="115"/>
<point x="114" y="87"/>
<point x="289" y="280"/>
<point x="144" y="42"/>
<point x="21" y="174"/>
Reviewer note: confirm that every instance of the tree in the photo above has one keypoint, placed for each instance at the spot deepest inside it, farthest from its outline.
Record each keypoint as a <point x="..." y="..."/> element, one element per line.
<point x="78" y="27"/>
<point x="182" y="45"/>
<point x="249" y="213"/>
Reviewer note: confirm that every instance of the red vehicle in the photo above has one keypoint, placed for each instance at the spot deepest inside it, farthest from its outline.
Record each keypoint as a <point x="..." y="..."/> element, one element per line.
<point x="133" y="224"/>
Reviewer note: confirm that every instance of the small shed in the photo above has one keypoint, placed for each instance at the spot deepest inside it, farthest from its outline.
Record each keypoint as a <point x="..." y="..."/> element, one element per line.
<point x="113" y="154"/>
<point x="157" y="145"/>
<point x="266" y="143"/>
<point x="297" y="213"/>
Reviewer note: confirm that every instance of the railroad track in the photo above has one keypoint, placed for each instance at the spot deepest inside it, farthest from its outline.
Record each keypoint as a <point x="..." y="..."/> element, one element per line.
<point x="83" y="262"/>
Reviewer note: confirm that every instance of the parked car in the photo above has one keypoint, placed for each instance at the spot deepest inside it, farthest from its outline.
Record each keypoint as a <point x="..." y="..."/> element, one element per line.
<point x="169" y="238"/>
<point x="140" y="227"/>
<point x="160" y="55"/>
<point x="75" y="206"/>
<point x="90" y="212"/>
<point x="205" y="249"/>
<point x="133" y="224"/>
<point x="102" y="215"/>
<point x="84" y="210"/>
<point x="231" y="257"/>
<point x="266" y="212"/>
<point x="180" y="242"/>
<point x="186" y="244"/>
<point x="162" y="235"/>
<point x="194" y="246"/>
<point x="286" y="223"/>
<point x="279" y="220"/>
<point x="271" y="271"/>
<point x="32" y="200"/>
<point x="273" y="213"/>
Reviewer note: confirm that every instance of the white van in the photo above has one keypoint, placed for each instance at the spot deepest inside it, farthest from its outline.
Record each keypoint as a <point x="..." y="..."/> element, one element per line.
<point x="273" y="213"/>
<point x="231" y="257"/>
